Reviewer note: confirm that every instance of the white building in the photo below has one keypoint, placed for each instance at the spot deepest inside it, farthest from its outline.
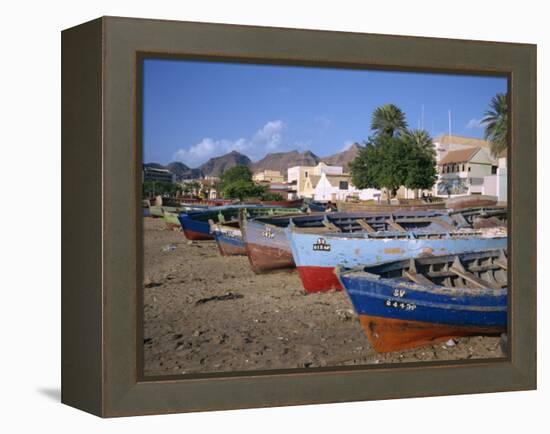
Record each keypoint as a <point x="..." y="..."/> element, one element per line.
<point x="446" y="143"/>
<point x="301" y="175"/>
<point x="335" y="187"/>
<point x="463" y="172"/>
<point x="497" y="185"/>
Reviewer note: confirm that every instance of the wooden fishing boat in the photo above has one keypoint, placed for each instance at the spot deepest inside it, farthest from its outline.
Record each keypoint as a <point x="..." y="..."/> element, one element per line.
<point x="480" y="217"/>
<point x="156" y="211"/>
<point x="171" y="220"/>
<point x="316" y="206"/>
<point x="194" y="202"/>
<point x="404" y="205"/>
<point x="470" y="201"/>
<point x="295" y="203"/>
<point x="145" y="204"/>
<point x="413" y="302"/>
<point x="229" y="238"/>
<point x="196" y="226"/>
<point x="318" y="253"/>
<point x="170" y="213"/>
<point x="267" y="245"/>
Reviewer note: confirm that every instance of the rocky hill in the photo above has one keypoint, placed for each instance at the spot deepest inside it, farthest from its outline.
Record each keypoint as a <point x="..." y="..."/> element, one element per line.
<point x="343" y="158"/>
<point x="216" y="166"/>
<point x="182" y="171"/>
<point x="281" y="161"/>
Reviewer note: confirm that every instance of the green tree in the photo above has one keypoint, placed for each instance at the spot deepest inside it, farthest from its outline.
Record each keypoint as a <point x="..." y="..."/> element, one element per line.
<point x="388" y="162"/>
<point x="421" y="139"/>
<point x="242" y="189"/>
<point x="236" y="183"/>
<point x="154" y="188"/>
<point x="236" y="173"/>
<point x="496" y="123"/>
<point x="421" y="170"/>
<point x="271" y="196"/>
<point x="388" y="120"/>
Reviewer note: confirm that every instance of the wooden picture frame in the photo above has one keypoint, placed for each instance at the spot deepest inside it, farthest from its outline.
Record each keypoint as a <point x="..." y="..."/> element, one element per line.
<point x="101" y="247"/>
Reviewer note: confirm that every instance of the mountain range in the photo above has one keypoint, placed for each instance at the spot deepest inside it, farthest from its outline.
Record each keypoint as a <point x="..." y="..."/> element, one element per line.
<point x="279" y="161"/>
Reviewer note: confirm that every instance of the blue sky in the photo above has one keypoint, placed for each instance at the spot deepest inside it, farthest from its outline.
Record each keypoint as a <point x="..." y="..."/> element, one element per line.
<point x="195" y="110"/>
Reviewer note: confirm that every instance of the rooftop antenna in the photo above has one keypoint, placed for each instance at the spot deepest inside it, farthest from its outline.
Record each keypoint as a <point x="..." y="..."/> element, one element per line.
<point x="422" y="126"/>
<point x="450" y="131"/>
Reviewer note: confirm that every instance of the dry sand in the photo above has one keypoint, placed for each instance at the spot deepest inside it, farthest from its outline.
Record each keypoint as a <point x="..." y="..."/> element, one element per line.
<point x="208" y="313"/>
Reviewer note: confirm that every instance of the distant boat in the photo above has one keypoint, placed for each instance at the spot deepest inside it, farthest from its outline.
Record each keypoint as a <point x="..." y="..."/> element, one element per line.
<point x="480" y="217"/>
<point x="471" y="200"/>
<point x="196" y="226"/>
<point x="156" y="211"/>
<point x="229" y="238"/>
<point x="413" y="302"/>
<point x="295" y="203"/>
<point x="267" y="245"/>
<point x="160" y="211"/>
<point x="145" y="205"/>
<point x="316" y="206"/>
<point x="403" y="205"/>
<point x="318" y="254"/>
<point x="171" y="220"/>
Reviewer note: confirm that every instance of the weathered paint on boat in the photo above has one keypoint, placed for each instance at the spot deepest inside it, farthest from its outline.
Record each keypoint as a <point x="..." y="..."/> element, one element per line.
<point x="295" y="203"/>
<point x="472" y="200"/>
<point x="480" y="217"/>
<point x="400" y="335"/>
<point x="383" y="207"/>
<point x="156" y="211"/>
<point x="398" y="314"/>
<point x="317" y="255"/>
<point x="172" y="221"/>
<point x="196" y="225"/>
<point x="267" y="246"/>
<point x="317" y="206"/>
<point x="228" y="238"/>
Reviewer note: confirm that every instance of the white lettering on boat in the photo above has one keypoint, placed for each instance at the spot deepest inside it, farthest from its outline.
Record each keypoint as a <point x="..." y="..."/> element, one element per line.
<point x="321" y="245"/>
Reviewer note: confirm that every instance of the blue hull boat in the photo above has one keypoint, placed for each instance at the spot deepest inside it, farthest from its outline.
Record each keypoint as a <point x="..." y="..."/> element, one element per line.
<point x="413" y="302"/>
<point x="268" y="248"/>
<point x="196" y="226"/>
<point x="229" y="238"/>
<point x="317" y="254"/>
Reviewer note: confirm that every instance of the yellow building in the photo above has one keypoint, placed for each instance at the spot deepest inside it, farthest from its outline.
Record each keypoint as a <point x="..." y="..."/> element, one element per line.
<point x="268" y="176"/>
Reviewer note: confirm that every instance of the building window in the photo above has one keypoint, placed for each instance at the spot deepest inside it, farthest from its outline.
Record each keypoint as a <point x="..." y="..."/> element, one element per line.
<point x="343" y="185"/>
<point x="305" y="173"/>
<point x="469" y="169"/>
<point x="493" y="170"/>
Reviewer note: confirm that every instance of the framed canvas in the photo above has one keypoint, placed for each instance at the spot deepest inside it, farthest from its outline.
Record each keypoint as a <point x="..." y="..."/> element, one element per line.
<point x="243" y="125"/>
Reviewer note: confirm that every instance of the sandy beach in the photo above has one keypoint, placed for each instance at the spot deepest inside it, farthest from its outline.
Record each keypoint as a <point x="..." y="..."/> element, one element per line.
<point x="208" y="313"/>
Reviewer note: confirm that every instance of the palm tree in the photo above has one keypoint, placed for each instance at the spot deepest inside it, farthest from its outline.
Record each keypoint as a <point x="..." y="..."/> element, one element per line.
<point x="421" y="139"/>
<point x="496" y="123"/>
<point x="388" y="120"/>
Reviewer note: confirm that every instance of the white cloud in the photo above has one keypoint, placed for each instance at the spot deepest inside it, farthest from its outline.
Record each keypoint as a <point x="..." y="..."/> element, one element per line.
<point x="475" y="123"/>
<point x="266" y="139"/>
<point x="270" y="135"/>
